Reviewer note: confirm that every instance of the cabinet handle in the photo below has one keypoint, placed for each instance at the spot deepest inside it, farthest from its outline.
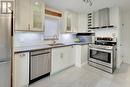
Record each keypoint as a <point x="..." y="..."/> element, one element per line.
<point x="22" y="55"/>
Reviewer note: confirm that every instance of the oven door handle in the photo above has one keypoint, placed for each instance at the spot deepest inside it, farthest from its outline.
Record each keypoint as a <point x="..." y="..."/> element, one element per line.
<point x="107" y="50"/>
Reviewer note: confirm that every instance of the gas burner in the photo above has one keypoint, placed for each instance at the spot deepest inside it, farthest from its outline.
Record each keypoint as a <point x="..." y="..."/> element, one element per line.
<point x="106" y="41"/>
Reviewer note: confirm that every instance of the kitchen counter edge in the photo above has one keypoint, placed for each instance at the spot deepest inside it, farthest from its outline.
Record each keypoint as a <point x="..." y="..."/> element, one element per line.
<point x="48" y="47"/>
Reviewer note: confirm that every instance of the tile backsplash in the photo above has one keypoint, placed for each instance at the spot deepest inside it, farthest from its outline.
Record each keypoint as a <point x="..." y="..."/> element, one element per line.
<point x="34" y="38"/>
<point x="27" y="38"/>
<point x="106" y="32"/>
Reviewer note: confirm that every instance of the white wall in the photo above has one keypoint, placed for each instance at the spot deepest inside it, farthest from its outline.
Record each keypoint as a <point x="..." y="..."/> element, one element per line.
<point x="126" y="36"/>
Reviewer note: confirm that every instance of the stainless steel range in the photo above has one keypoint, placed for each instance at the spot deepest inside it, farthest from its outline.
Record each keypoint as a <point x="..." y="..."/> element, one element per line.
<point x="102" y="54"/>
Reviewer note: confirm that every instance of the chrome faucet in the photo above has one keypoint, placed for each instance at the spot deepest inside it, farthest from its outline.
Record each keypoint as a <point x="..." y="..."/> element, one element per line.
<point x="54" y="39"/>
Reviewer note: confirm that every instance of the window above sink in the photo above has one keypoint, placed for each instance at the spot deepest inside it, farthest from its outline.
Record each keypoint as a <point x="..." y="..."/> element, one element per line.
<point x="52" y="27"/>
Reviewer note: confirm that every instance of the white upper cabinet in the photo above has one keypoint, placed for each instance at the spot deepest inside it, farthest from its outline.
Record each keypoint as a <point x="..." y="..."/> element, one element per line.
<point x="70" y="22"/>
<point x="104" y="17"/>
<point x="115" y="16"/>
<point x="22" y="14"/>
<point x="82" y="23"/>
<point x="37" y="15"/>
<point x="74" y="22"/>
<point x="29" y="15"/>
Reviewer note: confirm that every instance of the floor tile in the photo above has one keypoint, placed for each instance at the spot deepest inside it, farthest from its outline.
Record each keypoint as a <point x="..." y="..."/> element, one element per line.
<point x="87" y="76"/>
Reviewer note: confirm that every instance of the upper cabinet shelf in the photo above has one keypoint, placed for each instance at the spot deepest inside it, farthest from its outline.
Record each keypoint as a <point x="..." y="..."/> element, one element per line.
<point x="29" y="15"/>
<point x="103" y="27"/>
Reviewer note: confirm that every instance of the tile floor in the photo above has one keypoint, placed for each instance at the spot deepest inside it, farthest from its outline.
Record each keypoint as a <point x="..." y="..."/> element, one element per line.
<point x="87" y="76"/>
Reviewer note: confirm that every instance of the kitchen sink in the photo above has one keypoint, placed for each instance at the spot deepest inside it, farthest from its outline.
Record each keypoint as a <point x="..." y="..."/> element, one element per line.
<point x="56" y="44"/>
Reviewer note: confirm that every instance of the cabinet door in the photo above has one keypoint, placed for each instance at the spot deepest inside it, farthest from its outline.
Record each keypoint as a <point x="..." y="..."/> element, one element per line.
<point x="84" y="54"/>
<point x="68" y="58"/>
<point x="104" y="17"/>
<point x="21" y="70"/>
<point x="81" y="56"/>
<point x="62" y="58"/>
<point x="82" y="23"/>
<point x="115" y="16"/>
<point x="74" y="22"/>
<point x="70" y="22"/>
<point x="37" y="15"/>
<point x="56" y="64"/>
<point x="22" y="15"/>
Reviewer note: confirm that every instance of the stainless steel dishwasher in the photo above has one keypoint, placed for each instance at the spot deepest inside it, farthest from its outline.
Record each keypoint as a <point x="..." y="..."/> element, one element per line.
<point x="40" y="64"/>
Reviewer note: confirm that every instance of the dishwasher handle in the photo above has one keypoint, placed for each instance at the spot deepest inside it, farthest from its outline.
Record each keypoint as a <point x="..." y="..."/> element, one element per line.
<point x="40" y="53"/>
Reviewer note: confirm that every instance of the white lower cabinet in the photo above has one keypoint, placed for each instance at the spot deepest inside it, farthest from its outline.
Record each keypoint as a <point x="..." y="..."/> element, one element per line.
<point x="81" y="55"/>
<point x="62" y="58"/>
<point x="84" y="54"/>
<point x="21" y="69"/>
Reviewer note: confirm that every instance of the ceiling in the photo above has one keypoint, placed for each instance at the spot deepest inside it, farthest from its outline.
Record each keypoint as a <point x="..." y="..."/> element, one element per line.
<point x="81" y="7"/>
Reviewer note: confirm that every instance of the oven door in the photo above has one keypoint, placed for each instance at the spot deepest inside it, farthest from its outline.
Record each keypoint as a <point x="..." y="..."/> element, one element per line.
<point x="101" y="56"/>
